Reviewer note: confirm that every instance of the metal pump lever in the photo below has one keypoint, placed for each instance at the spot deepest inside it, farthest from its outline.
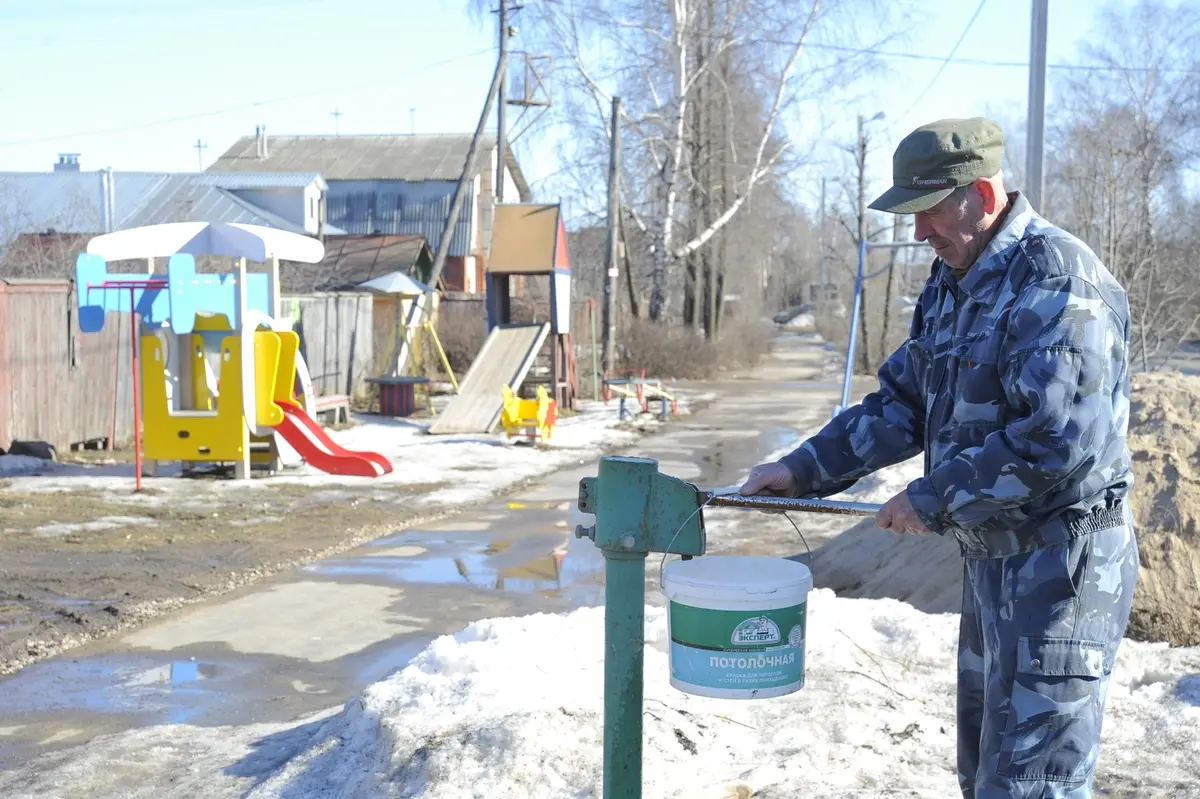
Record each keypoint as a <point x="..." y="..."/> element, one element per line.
<point x="724" y="499"/>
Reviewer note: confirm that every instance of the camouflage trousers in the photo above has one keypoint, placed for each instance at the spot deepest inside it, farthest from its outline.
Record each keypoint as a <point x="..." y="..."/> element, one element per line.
<point x="1037" y="642"/>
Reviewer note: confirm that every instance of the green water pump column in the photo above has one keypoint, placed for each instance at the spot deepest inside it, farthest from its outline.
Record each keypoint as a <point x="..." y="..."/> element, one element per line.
<point x="638" y="511"/>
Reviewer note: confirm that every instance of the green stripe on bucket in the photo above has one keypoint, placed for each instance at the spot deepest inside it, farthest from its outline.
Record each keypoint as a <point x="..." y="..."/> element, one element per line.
<point x="737" y="630"/>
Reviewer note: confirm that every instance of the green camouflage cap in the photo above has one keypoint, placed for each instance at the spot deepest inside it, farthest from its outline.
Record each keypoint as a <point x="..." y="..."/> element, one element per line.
<point x="937" y="158"/>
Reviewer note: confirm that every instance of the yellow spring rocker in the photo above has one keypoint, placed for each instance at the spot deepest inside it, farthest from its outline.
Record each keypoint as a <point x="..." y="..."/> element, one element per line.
<point x="533" y="418"/>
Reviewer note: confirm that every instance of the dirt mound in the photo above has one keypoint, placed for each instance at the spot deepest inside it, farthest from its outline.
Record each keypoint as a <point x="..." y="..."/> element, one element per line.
<point x="1164" y="438"/>
<point x="866" y="562"/>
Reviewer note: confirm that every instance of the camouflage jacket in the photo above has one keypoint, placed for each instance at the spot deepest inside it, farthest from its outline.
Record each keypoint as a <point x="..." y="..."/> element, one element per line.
<point x="1014" y="381"/>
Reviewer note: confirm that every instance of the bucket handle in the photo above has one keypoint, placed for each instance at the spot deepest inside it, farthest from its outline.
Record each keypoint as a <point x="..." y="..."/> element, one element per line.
<point x="662" y="586"/>
<point x="711" y="496"/>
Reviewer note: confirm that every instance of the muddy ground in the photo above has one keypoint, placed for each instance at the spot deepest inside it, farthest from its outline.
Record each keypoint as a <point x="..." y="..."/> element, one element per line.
<point x="76" y="565"/>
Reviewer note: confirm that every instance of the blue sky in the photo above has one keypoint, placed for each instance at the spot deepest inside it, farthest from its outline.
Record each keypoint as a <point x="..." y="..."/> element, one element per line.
<point x="132" y="84"/>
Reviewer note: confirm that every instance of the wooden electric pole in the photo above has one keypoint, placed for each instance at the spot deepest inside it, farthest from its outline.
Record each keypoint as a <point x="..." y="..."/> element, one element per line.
<point x="612" y="248"/>
<point x="501" y="102"/>
<point x="861" y="159"/>
<point x="470" y="168"/>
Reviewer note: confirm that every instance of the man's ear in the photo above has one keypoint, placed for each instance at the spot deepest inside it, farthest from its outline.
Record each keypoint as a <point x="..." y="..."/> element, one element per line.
<point x="987" y="195"/>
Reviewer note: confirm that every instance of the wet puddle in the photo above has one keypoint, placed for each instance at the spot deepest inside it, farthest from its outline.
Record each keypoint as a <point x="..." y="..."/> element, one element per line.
<point x="532" y="566"/>
<point x="209" y="689"/>
<point x="117" y="685"/>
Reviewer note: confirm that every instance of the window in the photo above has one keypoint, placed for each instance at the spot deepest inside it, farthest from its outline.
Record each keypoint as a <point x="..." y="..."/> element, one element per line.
<point x="312" y="207"/>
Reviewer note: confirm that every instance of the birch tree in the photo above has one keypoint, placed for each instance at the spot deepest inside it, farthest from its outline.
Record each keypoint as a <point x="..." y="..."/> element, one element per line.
<point x="1128" y="127"/>
<point x="665" y="59"/>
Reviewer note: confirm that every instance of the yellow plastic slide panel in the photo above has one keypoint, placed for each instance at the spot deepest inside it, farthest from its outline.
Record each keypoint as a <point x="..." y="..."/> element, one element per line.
<point x="266" y="367"/>
<point x="285" y="375"/>
<point x="189" y="436"/>
<point x="202" y="400"/>
<point x="211" y="322"/>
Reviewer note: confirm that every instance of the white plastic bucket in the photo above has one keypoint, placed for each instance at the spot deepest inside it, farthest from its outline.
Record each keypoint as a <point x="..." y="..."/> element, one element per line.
<point x="737" y="625"/>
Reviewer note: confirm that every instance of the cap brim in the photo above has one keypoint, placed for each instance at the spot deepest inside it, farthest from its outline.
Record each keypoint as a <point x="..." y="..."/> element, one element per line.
<point x="903" y="200"/>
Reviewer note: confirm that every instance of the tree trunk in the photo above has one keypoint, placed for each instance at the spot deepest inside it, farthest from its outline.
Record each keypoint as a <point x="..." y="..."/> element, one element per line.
<point x="889" y="299"/>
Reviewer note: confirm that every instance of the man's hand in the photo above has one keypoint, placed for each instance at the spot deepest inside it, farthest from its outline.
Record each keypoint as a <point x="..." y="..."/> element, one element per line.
<point x="771" y="478"/>
<point x="899" y="517"/>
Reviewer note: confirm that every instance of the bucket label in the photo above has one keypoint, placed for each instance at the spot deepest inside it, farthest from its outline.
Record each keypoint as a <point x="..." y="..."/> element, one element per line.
<point x="737" y="649"/>
<point x="759" y="631"/>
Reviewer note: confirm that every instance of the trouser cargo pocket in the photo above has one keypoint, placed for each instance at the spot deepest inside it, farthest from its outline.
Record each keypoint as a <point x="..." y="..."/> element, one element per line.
<point x="1053" y="725"/>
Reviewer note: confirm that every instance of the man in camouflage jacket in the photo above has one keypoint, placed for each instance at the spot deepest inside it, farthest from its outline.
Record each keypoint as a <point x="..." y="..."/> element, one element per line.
<point x="1014" y="382"/>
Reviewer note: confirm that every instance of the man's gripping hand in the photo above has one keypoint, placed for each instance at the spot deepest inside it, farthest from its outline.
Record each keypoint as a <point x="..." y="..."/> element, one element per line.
<point x="899" y="516"/>
<point x="772" y="479"/>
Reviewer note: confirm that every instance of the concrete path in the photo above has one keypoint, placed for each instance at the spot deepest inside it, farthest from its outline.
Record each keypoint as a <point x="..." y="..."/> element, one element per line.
<point x="307" y="641"/>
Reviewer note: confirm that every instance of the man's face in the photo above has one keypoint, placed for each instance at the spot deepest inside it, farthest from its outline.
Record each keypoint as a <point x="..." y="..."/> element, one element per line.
<point x="954" y="227"/>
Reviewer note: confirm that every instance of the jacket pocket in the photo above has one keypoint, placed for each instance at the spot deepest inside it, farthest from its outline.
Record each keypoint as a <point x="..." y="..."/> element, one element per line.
<point x="1055" y="710"/>
<point x="920" y="354"/>
<point x="979" y="391"/>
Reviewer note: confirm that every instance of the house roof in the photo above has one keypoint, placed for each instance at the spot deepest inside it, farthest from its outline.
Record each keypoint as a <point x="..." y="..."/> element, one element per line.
<point x="70" y="202"/>
<point x="351" y="260"/>
<point x="408" y="157"/>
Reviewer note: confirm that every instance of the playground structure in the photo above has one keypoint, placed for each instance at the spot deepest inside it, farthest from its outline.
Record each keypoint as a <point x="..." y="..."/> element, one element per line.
<point x="534" y="419"/>
<point x="527" y="241"/>
<point x="216" y="381"/>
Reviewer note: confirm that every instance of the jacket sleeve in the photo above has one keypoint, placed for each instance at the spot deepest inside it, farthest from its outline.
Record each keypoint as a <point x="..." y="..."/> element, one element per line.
<point x="1064" y="357"/>
<point x="887" y="427"/>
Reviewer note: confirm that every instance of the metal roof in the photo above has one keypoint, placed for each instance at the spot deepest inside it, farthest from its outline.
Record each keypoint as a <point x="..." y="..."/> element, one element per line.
<point x="409" y="157"/>
<point x="400" y="213"/>
<point x="179" y="198"/>
<point x="247" y="181"/>
<point x="70" y="202"/>
<point x="350" y="260"/>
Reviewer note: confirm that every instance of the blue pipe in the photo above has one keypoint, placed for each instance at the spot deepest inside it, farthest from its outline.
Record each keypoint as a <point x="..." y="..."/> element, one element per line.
<point x="848" y="375"/>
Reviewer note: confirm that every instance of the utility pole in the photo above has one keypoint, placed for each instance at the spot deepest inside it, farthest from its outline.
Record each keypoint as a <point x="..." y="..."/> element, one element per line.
<point x="501" y="103"/>
<point x="611" y="250"/>
<point x="200" y="148"/>
<point x="861" y="158"/>
<point x="416" y="307"/>
<point x="822" y="298"/>
<point x="1036" y="126"/>
<point x="337" y="115"/>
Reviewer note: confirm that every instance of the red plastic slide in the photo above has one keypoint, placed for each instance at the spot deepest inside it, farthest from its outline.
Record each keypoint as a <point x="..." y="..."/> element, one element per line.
<point x="313" y="444"/>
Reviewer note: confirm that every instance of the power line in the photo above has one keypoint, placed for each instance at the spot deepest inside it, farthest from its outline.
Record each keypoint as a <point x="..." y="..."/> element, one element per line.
<point x="981" y="62"/>
<point x="227" y="110"/>
<point x="945" y="61"/>
<point x="157" y="8"/>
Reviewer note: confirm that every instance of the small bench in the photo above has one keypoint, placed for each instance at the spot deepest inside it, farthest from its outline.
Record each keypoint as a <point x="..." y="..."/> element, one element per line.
<point x="337" y="404"/>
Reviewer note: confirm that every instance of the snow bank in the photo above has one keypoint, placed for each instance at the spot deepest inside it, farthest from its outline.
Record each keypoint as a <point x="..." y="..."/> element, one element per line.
<point x="513" y="707"/>
<point x="452" y="470"/>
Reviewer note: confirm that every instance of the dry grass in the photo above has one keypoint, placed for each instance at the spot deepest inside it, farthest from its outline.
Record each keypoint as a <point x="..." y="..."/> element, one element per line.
<point x="676" y="353"/>
<point x="461" y="327"/>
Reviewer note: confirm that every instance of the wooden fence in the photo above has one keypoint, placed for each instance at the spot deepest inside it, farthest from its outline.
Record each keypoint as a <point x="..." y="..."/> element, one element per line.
<point x="57" y="384"/>
<point x="337" y="339"/>
<point x="67" y="388"/>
